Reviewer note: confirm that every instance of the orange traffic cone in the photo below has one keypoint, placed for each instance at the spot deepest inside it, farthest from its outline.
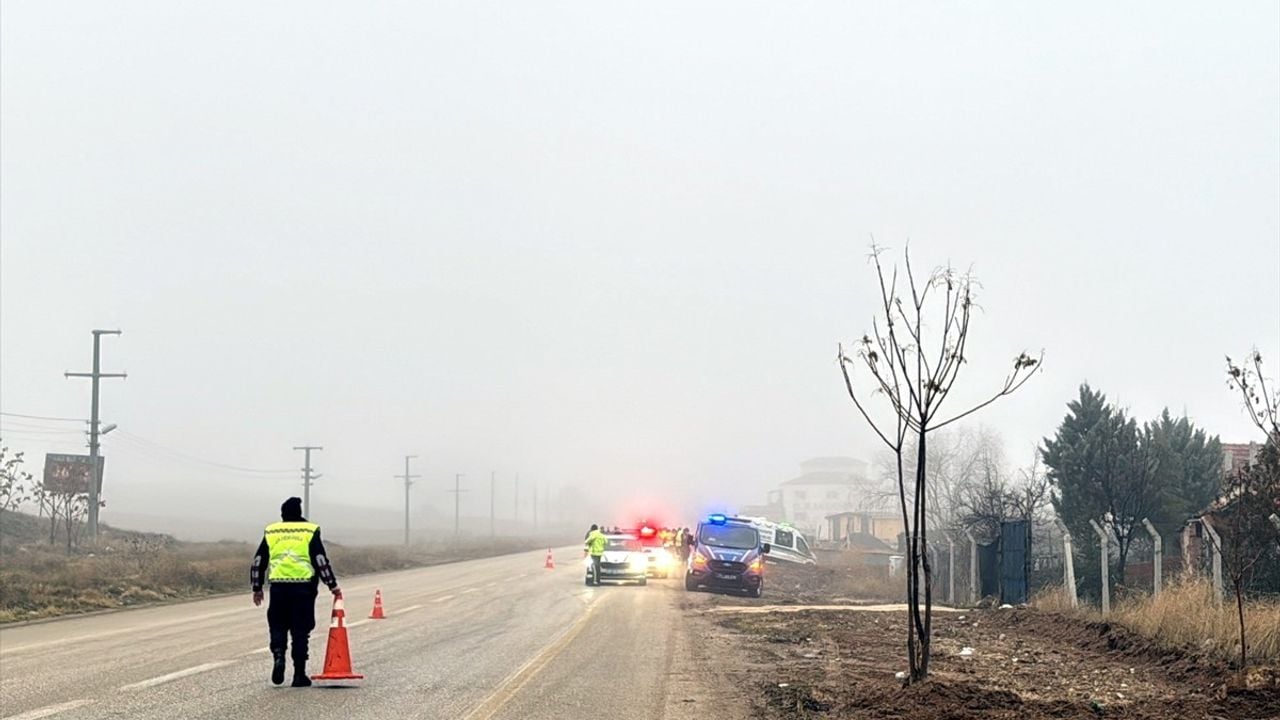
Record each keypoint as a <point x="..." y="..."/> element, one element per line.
<point x="337" y="655"/>
<point x="377" y="606"/>
<point x="551" y="562"/>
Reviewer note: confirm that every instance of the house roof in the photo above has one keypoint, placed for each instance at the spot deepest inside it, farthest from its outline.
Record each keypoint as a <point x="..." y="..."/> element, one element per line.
<point x="827" y="478"/>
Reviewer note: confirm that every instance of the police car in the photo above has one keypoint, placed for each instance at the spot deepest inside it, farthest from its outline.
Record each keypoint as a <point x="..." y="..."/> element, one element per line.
<point x="727" y="554"/>
<point x="623" y="561"/>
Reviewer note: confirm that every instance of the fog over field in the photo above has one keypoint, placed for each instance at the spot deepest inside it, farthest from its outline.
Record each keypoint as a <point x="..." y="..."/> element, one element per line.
<point x="611" y="248"/>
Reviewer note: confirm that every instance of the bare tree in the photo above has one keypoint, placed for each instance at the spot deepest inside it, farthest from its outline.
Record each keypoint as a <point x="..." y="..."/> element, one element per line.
<point x="1251" y="495"/>
<point x="916" y="376"/>
<point x="15" y="482"/>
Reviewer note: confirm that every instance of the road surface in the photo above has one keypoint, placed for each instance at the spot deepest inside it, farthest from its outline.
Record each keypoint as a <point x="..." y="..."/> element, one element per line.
<point x="494" y="639"/>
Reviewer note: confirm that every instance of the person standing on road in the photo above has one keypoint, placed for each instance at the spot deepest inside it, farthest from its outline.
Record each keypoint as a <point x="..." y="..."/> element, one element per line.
<point x="292" y="560"/>
<point x="594" y="547"/>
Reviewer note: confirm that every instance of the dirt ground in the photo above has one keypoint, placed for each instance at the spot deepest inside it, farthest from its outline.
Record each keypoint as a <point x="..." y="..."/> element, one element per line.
<point x="1025" y="664"/>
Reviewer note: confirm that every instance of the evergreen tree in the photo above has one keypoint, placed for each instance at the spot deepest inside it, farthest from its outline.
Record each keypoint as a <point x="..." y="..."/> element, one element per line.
<point x="1101" y="465"/>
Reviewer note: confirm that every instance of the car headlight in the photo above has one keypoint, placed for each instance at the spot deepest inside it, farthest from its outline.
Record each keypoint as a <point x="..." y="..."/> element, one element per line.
<point x="638" y="562"/>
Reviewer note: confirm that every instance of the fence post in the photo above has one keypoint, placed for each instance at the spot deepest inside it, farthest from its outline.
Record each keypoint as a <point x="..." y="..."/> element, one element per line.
<point x="1157" y="562"/>
<point x="951" y="570"/>
<point x="1068" y="567"/>
<point x="973" y="568"/>
<point x="1106" y="569"/>
<point x="1216" y="547"/>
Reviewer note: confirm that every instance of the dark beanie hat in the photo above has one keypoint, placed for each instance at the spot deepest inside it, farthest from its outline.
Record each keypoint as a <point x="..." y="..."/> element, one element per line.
<point x="291" y="509"/>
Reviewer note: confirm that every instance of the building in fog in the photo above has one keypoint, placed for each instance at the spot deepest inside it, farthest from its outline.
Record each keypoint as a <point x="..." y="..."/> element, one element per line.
<point x="1238" y="456"/>
<point x="825" y="486"/>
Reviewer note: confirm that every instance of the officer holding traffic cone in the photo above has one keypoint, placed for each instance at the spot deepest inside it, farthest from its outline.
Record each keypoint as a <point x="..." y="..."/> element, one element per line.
<point x="292" y="560"/>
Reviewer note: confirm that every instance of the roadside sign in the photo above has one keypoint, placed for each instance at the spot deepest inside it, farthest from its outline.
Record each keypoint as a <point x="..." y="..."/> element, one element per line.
<point x="69" y="474"/>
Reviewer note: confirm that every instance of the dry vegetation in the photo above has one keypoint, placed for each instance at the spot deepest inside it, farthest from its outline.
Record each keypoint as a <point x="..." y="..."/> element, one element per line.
<point x="1187" y="617"/>
<point x="1024" y="664"/>
<point x="37" y="581"/>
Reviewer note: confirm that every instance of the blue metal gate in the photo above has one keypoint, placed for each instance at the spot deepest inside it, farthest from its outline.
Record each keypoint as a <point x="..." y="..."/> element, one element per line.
<point x="1015" y="552"/>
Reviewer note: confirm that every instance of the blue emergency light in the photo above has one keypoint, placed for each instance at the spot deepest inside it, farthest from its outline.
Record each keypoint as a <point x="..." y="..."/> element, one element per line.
<point x="717" y="519"/>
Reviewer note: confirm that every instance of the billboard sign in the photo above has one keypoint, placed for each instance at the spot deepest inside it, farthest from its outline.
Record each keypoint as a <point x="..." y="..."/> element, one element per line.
<point x="69" y="474"/>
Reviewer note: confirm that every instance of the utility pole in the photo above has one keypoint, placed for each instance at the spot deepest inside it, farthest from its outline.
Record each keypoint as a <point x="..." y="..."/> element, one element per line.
<point x="535" y="505"/>
<point x="307" y="477"/>
<point x="457" y="498"/>
<point x="493" y="487"/>
<point x="94" y="462"/>
<point x="408" y="480"/>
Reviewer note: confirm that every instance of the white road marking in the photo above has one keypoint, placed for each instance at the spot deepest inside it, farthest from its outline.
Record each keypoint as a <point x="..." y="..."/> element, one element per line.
<point x="176" y="675"/>
<point x="492" y="584"/>
<point x="9" y="650"/>
<point x="259" y="651"/>
<point x="411" y="608"/>
<point x="45" y="712"/>
<point x="443" y="598"/>
<point x="469" y="590"/>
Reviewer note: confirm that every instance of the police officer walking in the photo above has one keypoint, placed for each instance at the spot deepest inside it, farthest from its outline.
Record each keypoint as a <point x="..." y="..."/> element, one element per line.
<point x="292" y="560"/>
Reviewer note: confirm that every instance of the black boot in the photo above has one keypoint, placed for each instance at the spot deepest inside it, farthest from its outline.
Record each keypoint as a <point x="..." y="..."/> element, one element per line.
<point x="277" y="668"/>
<point x="300" y="678"/>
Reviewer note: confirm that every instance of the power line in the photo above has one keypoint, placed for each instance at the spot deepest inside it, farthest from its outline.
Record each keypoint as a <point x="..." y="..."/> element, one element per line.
<point x="178" y="454"/>
<point x="43" y="417"/>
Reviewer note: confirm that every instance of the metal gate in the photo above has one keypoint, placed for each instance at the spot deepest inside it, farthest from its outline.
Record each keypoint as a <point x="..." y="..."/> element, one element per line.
<point x="1015" y="553"/>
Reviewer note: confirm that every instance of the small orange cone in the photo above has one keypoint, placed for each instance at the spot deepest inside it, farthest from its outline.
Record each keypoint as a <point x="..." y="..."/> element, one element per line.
<point x="377" y="606"/>
<point x="551" y="562"/>
<point x="337" y="655"/>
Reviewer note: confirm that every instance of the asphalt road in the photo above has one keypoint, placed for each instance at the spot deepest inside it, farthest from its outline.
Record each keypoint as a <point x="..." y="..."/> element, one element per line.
<point x="500" y="638"/>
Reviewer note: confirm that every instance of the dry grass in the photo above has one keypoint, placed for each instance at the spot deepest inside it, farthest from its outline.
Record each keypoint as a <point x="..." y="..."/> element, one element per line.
<point x="38" y="582"/>
<point x="1186" y="615"/>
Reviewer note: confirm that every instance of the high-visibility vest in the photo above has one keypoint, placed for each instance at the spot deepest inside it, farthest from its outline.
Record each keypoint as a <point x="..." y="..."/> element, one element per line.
<point x="596" y="542"/>
<point x="289" y="549"/>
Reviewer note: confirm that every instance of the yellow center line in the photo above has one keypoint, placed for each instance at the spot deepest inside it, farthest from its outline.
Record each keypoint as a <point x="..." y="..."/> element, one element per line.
<point x="513" y="684"/>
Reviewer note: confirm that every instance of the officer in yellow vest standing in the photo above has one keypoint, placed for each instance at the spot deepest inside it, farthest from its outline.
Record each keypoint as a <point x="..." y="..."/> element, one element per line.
<point x="292" y="560"/>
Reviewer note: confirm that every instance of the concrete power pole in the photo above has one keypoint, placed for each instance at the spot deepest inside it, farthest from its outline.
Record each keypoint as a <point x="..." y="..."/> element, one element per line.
<point x="408" y="480"/>
<point x="94" y="463"/>
<point x="307" y="477"/>
<point x="457" y="500"/>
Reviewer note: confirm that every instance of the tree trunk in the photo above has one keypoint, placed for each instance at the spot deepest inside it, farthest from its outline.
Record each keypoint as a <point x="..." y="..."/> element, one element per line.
<point x="912" y="668"/>
<point x="922" y="498"/>
<point x="1236" y="582"/>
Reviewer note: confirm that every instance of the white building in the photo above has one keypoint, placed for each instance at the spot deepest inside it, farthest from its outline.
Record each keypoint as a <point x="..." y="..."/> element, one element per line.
<point x="826" y="486"/>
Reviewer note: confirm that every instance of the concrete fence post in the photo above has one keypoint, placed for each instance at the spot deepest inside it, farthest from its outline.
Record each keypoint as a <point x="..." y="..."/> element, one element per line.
<point x="1157" y="562"/>
<point x="1215" y="543"/>
<point x="1105" y="543"/>
<point x="973" y="568"/>
<point x="1069" y="568"/>
<point x="951" y="570"/>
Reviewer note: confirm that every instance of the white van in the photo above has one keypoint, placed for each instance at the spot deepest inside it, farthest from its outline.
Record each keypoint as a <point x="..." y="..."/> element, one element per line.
<point x="787" y="543"/>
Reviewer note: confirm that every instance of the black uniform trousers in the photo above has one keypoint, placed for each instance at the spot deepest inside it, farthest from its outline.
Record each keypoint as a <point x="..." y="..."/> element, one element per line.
<point x="292" y="611"/>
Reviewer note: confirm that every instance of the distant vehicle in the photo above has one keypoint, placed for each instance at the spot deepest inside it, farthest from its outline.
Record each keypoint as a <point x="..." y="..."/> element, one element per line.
<point x="623" y="561"/>
<point x="787" y="543"/>
<point x="728" y="554"/>
<point x="660" y="562"/>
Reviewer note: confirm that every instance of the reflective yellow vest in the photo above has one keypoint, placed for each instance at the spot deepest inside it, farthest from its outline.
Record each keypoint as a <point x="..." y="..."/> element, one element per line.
<point x="596" y="542"/>
<point x="289" y="548"/>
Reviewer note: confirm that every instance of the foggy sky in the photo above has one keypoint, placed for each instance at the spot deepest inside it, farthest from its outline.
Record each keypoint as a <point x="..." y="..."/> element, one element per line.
<point x="608" y="245"/>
